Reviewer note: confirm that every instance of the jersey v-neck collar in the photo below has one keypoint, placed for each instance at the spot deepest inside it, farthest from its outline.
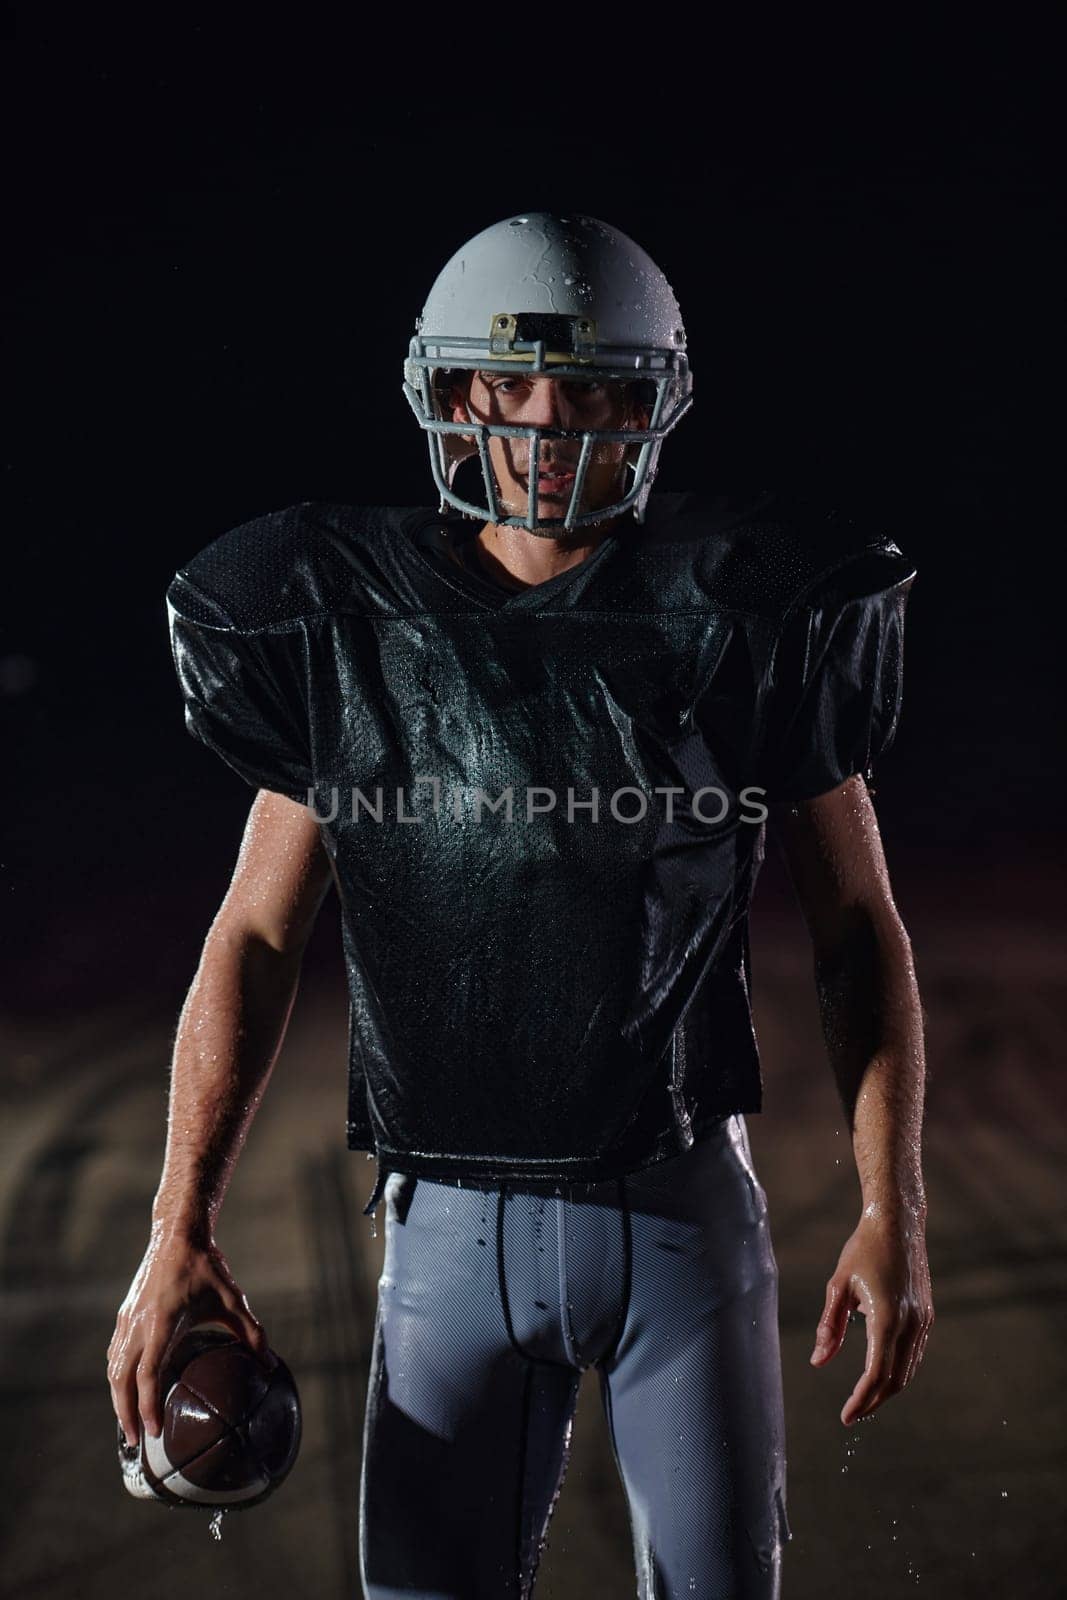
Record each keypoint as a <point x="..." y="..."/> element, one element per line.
<point x="457" y="544"/>
<point x="426" y="529"/>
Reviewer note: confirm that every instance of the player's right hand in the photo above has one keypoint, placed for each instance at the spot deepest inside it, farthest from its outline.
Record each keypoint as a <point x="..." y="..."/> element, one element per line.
<point x="176" y="1286"/>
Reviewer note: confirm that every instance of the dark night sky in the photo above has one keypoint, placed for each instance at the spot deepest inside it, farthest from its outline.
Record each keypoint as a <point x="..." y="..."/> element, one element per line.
<point x="216" y="268"/>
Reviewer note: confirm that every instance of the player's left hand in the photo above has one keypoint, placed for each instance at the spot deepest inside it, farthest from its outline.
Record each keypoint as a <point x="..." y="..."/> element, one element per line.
<point x="882" y="1274"/>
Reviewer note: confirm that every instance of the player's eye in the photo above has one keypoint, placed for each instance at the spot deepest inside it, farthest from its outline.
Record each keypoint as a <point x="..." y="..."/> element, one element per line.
<point x="498" y="384"/>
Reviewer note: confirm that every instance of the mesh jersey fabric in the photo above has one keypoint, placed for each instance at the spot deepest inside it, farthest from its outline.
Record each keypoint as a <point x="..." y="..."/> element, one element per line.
<point x="563" y="991"/>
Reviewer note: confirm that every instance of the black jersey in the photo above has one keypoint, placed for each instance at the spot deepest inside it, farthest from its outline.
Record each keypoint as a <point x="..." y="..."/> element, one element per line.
<point x="544" y="806"/>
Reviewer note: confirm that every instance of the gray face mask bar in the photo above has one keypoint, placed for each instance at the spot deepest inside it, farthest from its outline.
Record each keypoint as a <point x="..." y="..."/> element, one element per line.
<point x="666" y="368"/>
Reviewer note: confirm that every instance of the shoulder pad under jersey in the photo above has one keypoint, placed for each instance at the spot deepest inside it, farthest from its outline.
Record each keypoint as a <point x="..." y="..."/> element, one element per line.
<point x="768" y="553"/>
<point x="297" y="562"/>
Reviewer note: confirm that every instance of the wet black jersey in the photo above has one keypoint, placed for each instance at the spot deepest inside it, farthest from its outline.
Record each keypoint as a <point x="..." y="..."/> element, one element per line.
<point x="544" y="806"/>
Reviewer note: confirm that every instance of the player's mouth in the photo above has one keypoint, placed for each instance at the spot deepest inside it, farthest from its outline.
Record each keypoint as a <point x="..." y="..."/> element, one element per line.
<point x="555" y="483"/>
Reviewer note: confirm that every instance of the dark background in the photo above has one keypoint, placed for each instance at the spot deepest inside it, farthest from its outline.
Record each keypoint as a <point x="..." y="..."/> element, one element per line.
<point x="218" y="260"/>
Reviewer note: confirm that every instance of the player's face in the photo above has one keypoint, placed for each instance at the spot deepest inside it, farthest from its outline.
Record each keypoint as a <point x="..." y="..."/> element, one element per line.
<point x="536" y="400"/>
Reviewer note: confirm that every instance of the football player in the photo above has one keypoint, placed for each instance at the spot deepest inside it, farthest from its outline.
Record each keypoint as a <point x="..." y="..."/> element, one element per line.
<point x="533" y="734"/>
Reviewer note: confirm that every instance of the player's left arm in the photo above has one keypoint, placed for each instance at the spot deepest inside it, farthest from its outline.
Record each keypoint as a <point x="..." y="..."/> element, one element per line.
<point x="872" y="1023"/>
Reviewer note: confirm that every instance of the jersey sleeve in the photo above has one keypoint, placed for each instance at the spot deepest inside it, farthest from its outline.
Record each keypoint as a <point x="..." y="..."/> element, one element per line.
<point x="837" y="678"/>
<point x="241" y="691"/>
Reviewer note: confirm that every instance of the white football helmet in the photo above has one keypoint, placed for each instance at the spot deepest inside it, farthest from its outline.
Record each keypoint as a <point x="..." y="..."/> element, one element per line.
<point x="564" y="295"/>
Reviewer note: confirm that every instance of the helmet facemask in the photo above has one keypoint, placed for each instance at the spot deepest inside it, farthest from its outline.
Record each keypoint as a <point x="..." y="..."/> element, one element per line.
<point x="594" y="417"/>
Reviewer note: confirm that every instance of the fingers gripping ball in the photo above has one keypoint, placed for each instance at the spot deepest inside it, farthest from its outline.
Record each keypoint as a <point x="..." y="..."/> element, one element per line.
<point x="231" y="1427"/>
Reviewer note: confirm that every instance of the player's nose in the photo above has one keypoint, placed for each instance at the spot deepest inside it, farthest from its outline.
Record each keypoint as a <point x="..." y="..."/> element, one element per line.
<point x="544" y="406"/>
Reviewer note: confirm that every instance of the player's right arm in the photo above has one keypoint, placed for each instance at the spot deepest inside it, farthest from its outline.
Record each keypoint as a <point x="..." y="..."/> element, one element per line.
<point x="229" y="1035"/>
